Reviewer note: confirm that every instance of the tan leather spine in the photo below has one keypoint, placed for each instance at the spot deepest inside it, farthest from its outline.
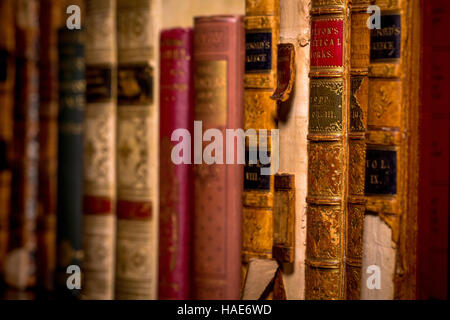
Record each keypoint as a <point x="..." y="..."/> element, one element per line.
<point x="262" y="25"/>
<point x="359" y="95"/>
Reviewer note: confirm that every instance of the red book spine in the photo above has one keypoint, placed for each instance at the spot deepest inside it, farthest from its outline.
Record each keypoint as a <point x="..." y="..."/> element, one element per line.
<point x="176" y="105"/>
<point x="432" y="260"/>
<point x="218" y="72"/>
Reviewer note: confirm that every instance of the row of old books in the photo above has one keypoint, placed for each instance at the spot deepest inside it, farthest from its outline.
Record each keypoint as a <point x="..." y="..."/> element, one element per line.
<point x="117" y="180"/>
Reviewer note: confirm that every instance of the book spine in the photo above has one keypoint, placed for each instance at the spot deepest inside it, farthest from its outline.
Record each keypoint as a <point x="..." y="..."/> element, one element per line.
<point x="177" y="112"/>
<point x="99" y="199"/>
<point x="49" y="16"/>
<point x="262" y="32"/>
<point x="359" y="95"/>
<point x="7" y="79"/>
<point x="72" y="90"/>
<point x="432" y="254"/>
<point x="137" y="151"/>
<point x="387" y="150"/>
<point x="327" y="150"/>
<point x="284" y="217"/>
<point x="24" y="157"/>
<point x="218" y="75"/>
<point x="392" y="149"/>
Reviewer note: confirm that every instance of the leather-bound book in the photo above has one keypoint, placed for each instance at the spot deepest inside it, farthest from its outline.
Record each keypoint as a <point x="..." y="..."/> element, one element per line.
<point x="218" y="77"/>
<point x="20" y="262"/>
<point x="49" y="18"/>
<point x="72" y="90"/>
<point x="327" y="150"/>
<point x="176" y="188"/>
<point x="99" y="200"/>
<point x="262" y="29"/>
<point x="433" y="202"/>
<point x="390" y="224"/>
<point x="137" y="150"/>
<point x="7" y="77"/>
<point x="359" y="95"/>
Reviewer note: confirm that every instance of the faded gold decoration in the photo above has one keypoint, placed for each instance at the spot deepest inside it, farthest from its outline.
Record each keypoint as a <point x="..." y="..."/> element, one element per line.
<point x="327" y="165"/>
<point x="355" y="226"/>
<point x="357" y="150"/>
<point x="385" y="103"/>
<point x="257" y="240"/>
<point x="262" y="8"/>
<point x="323" y="284"/>
<point x="393" y="122"/>
<point x="325" y="172"/>
<point x="259" y="112"/>
<point x="323" y="241"/>
<point x="327" y="3"/>
<point x="211" y="79"/>
<point x="353" y="282"/>
<point x="263" y="17"/>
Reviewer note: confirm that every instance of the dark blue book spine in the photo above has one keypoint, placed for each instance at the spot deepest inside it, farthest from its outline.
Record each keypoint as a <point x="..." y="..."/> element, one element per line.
<point x="72" y="89"/>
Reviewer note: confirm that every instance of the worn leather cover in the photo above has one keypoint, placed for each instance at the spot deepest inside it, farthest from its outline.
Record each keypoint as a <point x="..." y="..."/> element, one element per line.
<point x="176" y="185"/>
<point x="327" y="150"/>
<point x="284" y="218"/>
<point x="99" y="173"/>
<point x="7" y="82"/>
<point x="262" y="29"/>
<point x="285" y="72"/>
<point x="392" y="141"/>
<point x="359" y="95"/>
<point x="72" y="90"/>
<point x="137" y="150"/>
<point x="218" y="71"/>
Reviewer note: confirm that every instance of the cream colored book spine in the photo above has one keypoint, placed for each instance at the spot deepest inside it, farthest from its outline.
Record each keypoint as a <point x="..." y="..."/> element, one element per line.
<point x="100" y="150"/>
<point x="137" y="149"/>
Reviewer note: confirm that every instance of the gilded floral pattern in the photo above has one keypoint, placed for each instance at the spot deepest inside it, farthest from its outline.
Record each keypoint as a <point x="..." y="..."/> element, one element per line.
<point x="325" y="169"/>
<point x="322" y="284"/>
<point x="323" y="239"/>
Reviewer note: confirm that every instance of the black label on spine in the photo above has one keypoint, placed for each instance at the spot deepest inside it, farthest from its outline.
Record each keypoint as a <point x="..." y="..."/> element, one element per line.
<point x="381" y="172"/>
<point x="253" y="179"/>
<point x="99" y="85"/>
<point x="135" y="84"/>
<point x="258" y="52"/>
<point x="386" y="41"/>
